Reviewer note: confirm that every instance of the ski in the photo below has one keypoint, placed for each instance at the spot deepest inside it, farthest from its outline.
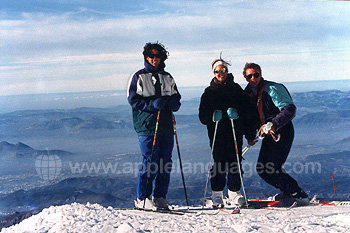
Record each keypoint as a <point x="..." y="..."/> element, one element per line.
<point x="270" y="204"/>
<point x="213" y="211"/>
<point x="162" y="211"/>
<point x="227" y="209"/>
<point x="262" y="202"/>
<point x="197" y="212"/>
<point x="323" y="202"/>
<point x="282" y="208"/>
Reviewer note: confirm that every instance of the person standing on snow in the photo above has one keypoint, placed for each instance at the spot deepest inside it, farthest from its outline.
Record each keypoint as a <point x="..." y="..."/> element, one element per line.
<point x="275" y="111"/>
<point x="152" y="90"/>
<point x="217" y="103"/>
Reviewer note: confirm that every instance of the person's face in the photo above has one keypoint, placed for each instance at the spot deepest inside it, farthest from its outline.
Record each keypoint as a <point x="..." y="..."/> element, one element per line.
<point x="220" y="73"/>
<point x="253" y="77"/>
<point x="154" y="58"/>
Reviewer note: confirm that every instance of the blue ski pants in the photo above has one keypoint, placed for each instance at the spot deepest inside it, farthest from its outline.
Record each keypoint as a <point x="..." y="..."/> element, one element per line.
<point x="155" y="168"/>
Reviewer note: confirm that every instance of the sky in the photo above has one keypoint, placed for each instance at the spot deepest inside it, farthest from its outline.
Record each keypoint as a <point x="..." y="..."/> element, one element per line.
<point x="54" y="46"/>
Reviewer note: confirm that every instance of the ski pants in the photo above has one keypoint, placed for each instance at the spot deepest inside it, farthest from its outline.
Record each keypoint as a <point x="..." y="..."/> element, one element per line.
<point x="225" y="168"/>
<point x="272" y="157"/>
<point x="155" y="168"/>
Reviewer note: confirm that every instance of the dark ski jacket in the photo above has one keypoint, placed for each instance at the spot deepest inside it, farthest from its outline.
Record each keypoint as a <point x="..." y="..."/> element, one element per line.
<point x="221" y="97"/>
<point x="277" y="103"/>
<point x="145" y="86"/>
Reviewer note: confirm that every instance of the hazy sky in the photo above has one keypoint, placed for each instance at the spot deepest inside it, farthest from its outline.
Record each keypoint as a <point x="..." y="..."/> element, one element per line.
<point x="49" y="46"/>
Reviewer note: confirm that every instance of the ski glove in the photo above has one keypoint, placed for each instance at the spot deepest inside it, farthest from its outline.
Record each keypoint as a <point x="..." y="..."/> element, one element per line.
<point x="159" y="103"/>
<point x="173" y="105"/>
<point x="232" y="113"/>
<point x="217" y="115"/>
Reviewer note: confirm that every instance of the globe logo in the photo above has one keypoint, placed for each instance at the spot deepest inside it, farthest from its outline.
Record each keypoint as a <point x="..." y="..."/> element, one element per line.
<point x="48" y="167"/>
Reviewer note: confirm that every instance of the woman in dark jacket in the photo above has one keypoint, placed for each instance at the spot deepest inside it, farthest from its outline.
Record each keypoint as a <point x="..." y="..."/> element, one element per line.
<point x="223" y="94"/>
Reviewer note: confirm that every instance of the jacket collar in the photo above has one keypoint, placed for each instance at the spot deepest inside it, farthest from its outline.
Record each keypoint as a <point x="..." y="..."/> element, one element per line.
<point x="256" y="89"/>
<point x="149" y="68"/>
<point x="229" y="80"/>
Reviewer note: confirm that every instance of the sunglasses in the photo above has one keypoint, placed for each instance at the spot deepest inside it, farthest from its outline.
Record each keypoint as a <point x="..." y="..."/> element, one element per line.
<point x="223" y="70"/>
<point x="256" y="75"/>
<point x="154" y="55"/>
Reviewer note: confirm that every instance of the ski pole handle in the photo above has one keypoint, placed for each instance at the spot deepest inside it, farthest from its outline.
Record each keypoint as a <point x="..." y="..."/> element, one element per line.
<point x="217" y="115"/>
<point x="232" y="113"/>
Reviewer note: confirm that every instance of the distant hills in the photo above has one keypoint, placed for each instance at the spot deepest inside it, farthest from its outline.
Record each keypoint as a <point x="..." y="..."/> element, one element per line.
<point x="325" y="118"/>
<point x="97" y="130"/>
<point x="22" y="150"/>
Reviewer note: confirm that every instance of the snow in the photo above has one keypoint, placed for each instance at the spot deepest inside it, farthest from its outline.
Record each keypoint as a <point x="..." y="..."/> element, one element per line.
<point x="95" y="218"/>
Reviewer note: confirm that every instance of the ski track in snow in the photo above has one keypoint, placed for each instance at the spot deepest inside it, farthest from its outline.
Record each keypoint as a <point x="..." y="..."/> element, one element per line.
<point x="95" y="218"/>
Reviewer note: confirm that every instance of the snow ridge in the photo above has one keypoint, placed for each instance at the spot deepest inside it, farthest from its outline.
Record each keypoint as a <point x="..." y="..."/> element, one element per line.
<point x="96" y="218"/>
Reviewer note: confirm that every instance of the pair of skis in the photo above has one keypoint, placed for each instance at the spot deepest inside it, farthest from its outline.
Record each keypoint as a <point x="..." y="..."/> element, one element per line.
<point x="193" y="211"/>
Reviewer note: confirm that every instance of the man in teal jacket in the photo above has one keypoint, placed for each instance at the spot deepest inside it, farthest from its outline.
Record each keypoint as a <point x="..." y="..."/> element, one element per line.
<point x="275" y="111"/>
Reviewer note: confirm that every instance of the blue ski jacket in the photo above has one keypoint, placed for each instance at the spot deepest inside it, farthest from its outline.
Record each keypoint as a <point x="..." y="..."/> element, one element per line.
<point x="277" y="103"/>
<point x="144" y="87"/>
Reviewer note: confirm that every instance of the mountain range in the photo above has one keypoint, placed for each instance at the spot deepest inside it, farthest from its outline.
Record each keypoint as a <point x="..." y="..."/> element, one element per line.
<point x="106" y="134"/>
<point x="22" y="150"/>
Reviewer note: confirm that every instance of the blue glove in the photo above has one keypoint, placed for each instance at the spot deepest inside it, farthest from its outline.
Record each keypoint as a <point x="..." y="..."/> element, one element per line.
<point x="232" y="113"/>
<point x="173" y="105"/>
<point x="159" y="103"/>
<point x="217" y="115"/>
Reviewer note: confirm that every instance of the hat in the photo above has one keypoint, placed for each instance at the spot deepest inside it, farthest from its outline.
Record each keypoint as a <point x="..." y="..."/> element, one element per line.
<point x="220" y="62"/>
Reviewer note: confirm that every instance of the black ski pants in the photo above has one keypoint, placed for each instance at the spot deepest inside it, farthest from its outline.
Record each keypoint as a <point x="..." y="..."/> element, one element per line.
<point x="272" y="157"/>
<point x="225" y="168"/>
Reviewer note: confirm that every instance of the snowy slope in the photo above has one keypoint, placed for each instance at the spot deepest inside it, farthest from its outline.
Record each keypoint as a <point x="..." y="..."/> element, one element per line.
<point x="95" y="218"/>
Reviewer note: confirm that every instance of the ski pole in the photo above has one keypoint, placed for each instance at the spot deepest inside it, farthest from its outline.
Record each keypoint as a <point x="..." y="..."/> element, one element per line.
<point x="245" y="150"/>
<point x="211" y="157"/>
<point x="234" y="117"/>
<point x="178" y="153"/>
<point x="153" y="146"/>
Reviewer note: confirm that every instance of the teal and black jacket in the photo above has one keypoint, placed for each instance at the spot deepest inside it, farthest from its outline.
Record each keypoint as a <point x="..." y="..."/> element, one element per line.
<point x="277" y="103"/>
<point x="145" y="86"/>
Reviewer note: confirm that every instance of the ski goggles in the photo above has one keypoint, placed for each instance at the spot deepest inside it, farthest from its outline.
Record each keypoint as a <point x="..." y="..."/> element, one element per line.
<point x="223" y="70"/>
<point x="256" y="75"/>
<point x="158" y="55"/>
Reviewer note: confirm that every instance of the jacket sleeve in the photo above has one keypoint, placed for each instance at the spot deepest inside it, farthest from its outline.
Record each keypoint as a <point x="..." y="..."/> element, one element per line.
<point x="137" y="101"/>
<point x="283" y="101"/>
<point x="205" y="110"/>
<point x="175" y="95"/>
<point x="284" y="116"/>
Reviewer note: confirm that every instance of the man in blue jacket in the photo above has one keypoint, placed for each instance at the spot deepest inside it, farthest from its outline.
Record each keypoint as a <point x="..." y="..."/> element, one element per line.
<point x="152" y="90"/>
<point x="275" y="111"/>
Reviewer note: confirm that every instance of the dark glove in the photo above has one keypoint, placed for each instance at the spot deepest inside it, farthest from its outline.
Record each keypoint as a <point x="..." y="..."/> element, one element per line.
<point x="159" y="103"/>
<point x="173" y="105"/>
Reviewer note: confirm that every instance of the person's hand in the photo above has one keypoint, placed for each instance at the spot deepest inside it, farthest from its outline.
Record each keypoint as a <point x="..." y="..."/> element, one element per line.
<point x="266" y="129"/>
<point x="252" y="142"/>
<point x="217" y="115"/>
<point x="159" y="103"/>
<point x="173" y="105"/>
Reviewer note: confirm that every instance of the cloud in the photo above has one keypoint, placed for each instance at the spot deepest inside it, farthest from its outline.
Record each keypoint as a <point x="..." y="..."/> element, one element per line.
<point x="87" y="42"/>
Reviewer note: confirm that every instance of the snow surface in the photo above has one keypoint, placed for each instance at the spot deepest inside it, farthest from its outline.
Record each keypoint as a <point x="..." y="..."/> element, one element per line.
<point x="95" y="218"/>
